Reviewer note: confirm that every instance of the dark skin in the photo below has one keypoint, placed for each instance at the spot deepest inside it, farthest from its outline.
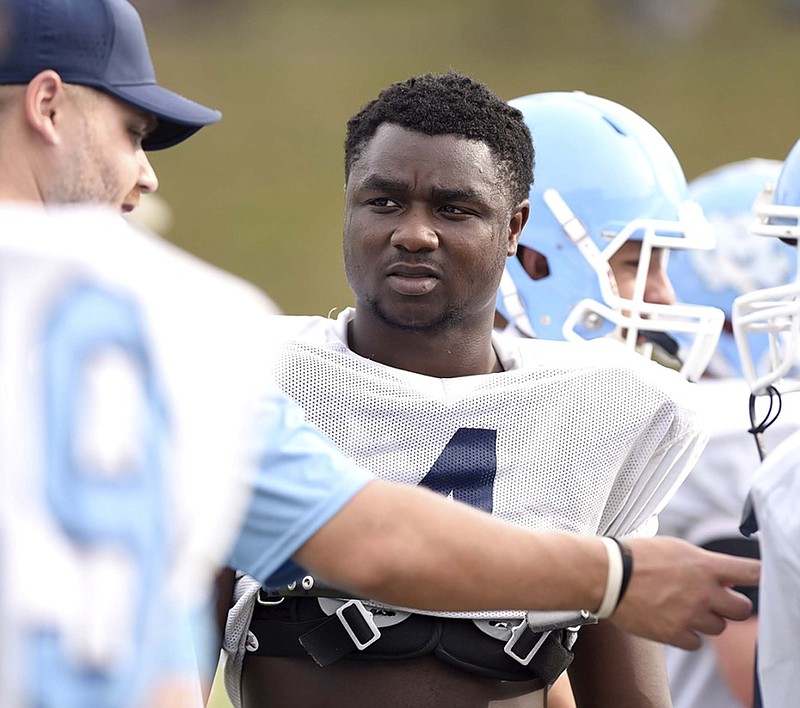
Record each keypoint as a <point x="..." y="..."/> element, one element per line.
<point x="428" y="225"/>
<point x="427" y="230"/>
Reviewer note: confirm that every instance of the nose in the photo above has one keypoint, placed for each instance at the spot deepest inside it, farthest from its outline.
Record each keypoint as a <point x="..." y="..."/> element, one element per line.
<point x="147" y="182"/>
<point x="415" y="233"/>
<point x="658" y="288"/>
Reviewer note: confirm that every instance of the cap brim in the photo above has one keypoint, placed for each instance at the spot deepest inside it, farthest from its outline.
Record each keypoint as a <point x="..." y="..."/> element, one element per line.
<point x="178" y="117"/>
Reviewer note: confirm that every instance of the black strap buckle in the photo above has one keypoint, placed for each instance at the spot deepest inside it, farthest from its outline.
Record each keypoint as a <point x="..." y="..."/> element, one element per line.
<point x="351" y="627"/>
<point x="359" y="623"/>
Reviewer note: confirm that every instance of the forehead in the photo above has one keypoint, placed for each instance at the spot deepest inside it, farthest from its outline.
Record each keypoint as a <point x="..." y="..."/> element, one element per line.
<point x="448" y="161"/>
<point x="147" y="120"/>
<point x="124" y="111"/>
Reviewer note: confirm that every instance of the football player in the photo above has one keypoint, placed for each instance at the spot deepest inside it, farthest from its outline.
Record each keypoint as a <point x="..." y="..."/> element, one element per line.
<point x="84" y="428"/>
<point x="772" y="315"/>
<point x="413" y="384"/>
<point x="608" y="205"/>
<point x="707" y="508"/>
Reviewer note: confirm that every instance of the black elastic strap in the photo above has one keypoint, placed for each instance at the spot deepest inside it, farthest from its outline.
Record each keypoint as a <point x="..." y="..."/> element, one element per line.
<point x="627" y="567"/>
<point x="330" y="641"/>
<point x="295" y="628"/>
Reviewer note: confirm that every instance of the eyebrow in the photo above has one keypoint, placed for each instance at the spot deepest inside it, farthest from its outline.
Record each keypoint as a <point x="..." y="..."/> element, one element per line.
<point x="377" y="183"/>
<point x="457" y="194"/>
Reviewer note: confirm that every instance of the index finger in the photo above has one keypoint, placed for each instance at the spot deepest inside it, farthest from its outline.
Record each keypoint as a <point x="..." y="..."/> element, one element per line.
<point x="733" y="570"/>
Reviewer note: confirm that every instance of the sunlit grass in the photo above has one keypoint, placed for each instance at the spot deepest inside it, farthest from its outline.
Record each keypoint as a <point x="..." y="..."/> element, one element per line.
<point x="261" y="193"/>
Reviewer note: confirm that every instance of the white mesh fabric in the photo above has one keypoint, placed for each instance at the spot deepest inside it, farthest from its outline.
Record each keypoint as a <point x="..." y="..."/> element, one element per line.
<point x="590" y="438"/>
<point x="233" y="643"/>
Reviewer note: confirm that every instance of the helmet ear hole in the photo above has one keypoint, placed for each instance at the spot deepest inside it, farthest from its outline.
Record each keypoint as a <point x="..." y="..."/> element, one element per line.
<point x="533" y="263"/>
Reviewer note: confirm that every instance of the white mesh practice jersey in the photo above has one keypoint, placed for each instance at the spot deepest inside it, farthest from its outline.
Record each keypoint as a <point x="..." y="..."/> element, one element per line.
<point x="776" y="498"/>
<point x="129" y="376"/>
<point x="583" y="437"/>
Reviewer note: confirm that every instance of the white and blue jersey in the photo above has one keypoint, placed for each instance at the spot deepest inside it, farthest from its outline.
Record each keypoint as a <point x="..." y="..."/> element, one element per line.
<point x="137" y="410"/>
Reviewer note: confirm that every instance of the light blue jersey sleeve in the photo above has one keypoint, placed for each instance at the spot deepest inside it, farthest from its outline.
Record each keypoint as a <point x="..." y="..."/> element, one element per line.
<point x="302" y="480"/>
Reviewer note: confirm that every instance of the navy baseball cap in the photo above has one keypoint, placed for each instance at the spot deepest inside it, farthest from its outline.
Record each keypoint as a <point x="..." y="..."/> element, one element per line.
<point x="97" y="43"/>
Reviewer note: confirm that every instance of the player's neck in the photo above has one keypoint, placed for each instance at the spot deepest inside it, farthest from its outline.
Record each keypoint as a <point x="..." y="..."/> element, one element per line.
<point x="446" y="353"/>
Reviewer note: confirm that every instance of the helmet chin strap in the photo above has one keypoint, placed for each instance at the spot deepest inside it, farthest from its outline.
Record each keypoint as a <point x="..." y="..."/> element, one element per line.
<point x="663" y="341"/>
<point x="662" y="349"/>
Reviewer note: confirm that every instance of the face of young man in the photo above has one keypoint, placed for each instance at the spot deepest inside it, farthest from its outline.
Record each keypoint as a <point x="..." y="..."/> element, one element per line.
<point x="624" y="264"/>
<point x="101" y="160"/>
<point x="428" y="226"/>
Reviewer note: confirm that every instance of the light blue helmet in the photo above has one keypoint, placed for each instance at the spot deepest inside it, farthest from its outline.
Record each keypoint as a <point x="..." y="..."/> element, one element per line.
<point x="771" y="315"/>
<point x="603" y="176"/>
<point x="739" y="263"/>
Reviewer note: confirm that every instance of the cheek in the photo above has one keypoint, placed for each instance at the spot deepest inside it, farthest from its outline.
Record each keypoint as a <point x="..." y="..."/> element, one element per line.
<point x="484" y="260"/>
<point x="625" y="283"/>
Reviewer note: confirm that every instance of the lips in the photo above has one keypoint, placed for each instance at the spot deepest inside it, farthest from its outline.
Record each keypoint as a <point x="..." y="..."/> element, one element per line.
<point x="413" y="280"/>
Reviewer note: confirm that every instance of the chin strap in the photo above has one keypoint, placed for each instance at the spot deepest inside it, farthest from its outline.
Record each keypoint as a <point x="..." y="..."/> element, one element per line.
<point x="757" y="429"/>
<point x="664" y="350"/>
<point x="749" y="523"/>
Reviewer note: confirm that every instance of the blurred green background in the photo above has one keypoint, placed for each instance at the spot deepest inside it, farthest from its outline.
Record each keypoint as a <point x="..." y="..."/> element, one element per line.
<point x="260" y="194"/>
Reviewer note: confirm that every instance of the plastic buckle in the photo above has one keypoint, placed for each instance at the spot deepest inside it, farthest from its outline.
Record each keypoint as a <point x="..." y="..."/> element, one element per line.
<point x="356" y="618"/>
<point x="521" y="646"/>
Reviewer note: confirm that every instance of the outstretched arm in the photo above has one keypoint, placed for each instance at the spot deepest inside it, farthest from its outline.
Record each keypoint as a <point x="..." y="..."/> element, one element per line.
<point x="408" y="546"/>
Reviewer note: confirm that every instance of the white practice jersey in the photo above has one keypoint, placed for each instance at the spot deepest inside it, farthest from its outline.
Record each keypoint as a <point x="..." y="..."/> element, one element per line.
<point x="129" y="379"/>
<point x="582" y="437"/>
<point x="708" y="508"/>
<point x="776" y="497"/>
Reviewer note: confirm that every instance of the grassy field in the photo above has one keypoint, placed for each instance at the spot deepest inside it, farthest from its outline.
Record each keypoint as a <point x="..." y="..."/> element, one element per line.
<point x="261" y="193"/>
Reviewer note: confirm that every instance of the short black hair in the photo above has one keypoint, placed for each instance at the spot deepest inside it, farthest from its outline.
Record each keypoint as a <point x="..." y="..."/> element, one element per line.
<point x="449" y="104"/>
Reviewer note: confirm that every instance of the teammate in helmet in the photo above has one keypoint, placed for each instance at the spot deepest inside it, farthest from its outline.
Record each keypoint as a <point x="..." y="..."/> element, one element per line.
<point x="707" y="508"/>
<point x="611" y="186"/>
<point x="414" y="385"/>
<point x="766" y="325"/>
<point x="739" y="263"/>
<point x="608" y="204"/>
<point x="773" y="314"/>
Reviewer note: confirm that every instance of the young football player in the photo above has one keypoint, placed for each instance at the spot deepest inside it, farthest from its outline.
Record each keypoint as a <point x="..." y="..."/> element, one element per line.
<point x="414" y="385"/>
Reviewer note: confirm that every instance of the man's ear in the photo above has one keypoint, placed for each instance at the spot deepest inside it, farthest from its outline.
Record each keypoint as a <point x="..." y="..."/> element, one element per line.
<point x="519" y="217"/>
<point x="45" y="97"/>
